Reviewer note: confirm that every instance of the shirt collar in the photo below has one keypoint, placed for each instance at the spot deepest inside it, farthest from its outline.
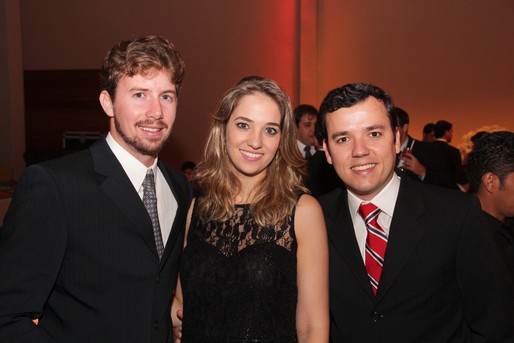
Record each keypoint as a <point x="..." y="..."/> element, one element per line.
<point x="404" y="145"/>
<point x="300" y="145"/>
<point x="385" y="200"/>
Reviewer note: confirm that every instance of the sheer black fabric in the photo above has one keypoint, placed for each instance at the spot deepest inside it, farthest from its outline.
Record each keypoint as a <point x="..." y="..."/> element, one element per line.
<point x="239" y="281"/>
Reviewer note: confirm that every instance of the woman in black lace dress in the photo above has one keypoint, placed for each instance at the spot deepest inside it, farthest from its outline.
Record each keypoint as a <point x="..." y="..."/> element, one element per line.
<point x="255" y="264"/>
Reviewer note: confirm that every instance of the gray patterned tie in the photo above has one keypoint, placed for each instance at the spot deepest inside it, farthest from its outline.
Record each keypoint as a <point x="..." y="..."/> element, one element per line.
<point x="150" y="201"/>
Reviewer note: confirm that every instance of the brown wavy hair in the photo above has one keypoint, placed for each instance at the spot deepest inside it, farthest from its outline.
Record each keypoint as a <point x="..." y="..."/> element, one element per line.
<point x="136" y="56"/>
<point x="274" y="197"/>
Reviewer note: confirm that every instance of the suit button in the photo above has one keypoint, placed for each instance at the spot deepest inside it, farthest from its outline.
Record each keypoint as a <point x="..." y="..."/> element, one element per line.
<point x="158" y="279"/>
<point x="375" y="317"/>
<point x="156" y="325"/>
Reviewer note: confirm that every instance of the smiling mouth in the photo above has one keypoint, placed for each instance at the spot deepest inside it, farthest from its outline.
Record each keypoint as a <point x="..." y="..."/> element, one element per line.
<point x="151" y="129"/>
<point x="364" y="167"/>
<point x="251" y="155"/>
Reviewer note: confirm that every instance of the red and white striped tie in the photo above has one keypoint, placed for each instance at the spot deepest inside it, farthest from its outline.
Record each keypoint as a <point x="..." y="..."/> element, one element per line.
<point x="376" y="243"/>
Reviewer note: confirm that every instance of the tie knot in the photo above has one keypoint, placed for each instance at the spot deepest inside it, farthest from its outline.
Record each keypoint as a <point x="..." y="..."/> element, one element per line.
<point x="149" y="175"/>
<point x="368" y="211"/>
<point x="149" y="182"/>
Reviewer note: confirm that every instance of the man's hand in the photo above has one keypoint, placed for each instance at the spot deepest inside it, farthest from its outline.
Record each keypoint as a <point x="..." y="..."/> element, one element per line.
<point x="177" y="328"/>
<point x="411" y="163"/>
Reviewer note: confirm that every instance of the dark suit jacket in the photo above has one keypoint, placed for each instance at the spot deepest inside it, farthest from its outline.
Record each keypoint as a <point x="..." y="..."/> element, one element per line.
<point x="503" y="234"/>
<point x="435" y="167"/>
<point x="452" y="161"/>
<point x="321" y="176"/>
<point x="441" y="280"/>
<point x="77" y="251"/>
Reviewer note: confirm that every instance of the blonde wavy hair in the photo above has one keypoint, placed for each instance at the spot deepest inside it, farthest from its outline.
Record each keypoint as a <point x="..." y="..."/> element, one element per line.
<point x="274" y="198"/>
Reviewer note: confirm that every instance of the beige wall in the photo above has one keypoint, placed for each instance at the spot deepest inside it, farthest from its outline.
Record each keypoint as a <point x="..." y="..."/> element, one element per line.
<point x="439" y="59"/>
<point x="221" y="42"/>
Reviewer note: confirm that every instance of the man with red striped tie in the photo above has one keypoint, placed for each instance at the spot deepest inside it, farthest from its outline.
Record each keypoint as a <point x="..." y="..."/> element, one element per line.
<point x="409" y="262"/>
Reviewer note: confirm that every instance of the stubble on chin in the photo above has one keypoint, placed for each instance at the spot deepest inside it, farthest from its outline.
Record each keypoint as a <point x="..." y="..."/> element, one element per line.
<point x="145" y="148"/>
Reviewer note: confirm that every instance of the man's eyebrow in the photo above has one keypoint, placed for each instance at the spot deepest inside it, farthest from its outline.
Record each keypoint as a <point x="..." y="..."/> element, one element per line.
<point x="339" y="133"/>
<point x="367" y="129"/>
<point x="375" y="127"/>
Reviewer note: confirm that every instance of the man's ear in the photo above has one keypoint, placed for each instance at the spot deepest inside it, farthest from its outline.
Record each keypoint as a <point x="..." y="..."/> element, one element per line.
<point x="490" y="182"/>
<point x="327" y="153"/>
<point x="397" y="141"/>
<point x="106" y="102"/>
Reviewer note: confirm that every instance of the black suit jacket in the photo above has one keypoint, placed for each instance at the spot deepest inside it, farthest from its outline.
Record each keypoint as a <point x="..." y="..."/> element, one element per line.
<point x="441" y="279"/>
<point x="452" y="161"/>
<point x="321" y="176"/>
<point x="435" y="167"/>
<point x="503" y="233"/>
<point x="77" y="251"/>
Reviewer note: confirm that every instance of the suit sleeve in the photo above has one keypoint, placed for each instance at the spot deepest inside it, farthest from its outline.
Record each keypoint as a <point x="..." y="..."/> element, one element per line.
<point x="32" y="246"/>
<point x="486" y="288"/>
<point x="434" y="167"/>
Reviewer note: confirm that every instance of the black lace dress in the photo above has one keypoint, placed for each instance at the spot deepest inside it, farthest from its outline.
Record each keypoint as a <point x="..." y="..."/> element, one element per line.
<point x="239" y="281"/>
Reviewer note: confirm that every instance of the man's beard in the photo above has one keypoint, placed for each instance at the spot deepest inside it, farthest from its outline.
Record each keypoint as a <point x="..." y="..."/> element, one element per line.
<point x="137" y="143"/>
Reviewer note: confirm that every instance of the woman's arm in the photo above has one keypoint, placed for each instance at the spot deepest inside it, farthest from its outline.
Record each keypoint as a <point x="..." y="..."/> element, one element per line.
<point x="312" y="313"/>
<point x="177" y="305"/>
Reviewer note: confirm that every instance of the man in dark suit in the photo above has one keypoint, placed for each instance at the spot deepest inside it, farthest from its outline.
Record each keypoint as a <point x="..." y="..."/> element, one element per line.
<point x="90" y="246"/>
<point x="321" y="177"/>
<point x="419" y="160"/>
<point x="491" y="179"/>
<point x="450" y="155"/>
<point x="408" y="262"/>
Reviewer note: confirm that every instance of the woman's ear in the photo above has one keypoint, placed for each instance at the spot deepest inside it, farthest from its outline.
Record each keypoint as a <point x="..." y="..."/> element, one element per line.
<point x="106" y="102"/>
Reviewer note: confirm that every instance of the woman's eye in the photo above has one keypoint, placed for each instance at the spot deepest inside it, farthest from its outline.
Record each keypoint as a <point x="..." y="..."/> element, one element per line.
<point x="271" y="131"/>
<point x="242" y="125"/>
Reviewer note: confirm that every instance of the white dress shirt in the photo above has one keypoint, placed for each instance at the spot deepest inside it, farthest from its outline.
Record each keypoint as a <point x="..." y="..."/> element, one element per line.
<point x="385" y="200"/>
<point x="136" y="171"/>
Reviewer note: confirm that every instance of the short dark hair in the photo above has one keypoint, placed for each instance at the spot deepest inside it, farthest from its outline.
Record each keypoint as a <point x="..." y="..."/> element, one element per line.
<point x="429" y="127"/>
<point x="441" y="127"/>
<point x="302" y="110"/>
<point x="477" y="136"/>
<point x="494" y="153"/>
<point x="188" y="165"/>
<point x="348" y="96"/>
<point x="401" y="116"/>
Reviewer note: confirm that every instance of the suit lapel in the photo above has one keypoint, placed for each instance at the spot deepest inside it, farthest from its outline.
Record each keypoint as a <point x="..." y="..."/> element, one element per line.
<point x="119" y="189"/>
<point x="405" y="233"/>
<point x="179" y="195"/>
<point x="342" y="236"/>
